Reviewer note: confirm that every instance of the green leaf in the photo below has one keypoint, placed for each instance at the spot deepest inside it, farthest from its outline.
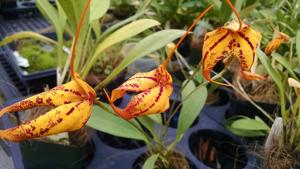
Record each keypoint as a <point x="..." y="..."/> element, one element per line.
<point x="98" y="8"/>
<point x="147" y="45"/>
<point x="149" y="125"/>
<point x="156" y="118"/>
<point x="26" y="34"/>
<point x="298" y="46"/>
<point x="246" y="133"/>
<point x="62" y="16"/>
<point x="150" y="162"/>
<point x="96" y="28"/>
<point x="58" y="19"/>
<point x="73" y="10"/>
<point x="112" y="124"/>
<point x="249" y="124"/>
<point x="193" y="101"/>
<point x="284" y="63"/>
<point x="50" y="13"/>
<point x="247" y="127"/>
<point x="277" y="78"/>
<point x="118" y="36"/>
<point x="118" y="25"/>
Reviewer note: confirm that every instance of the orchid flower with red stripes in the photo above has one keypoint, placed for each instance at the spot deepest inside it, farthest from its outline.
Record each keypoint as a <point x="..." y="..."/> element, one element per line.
<point x="275" y="43"/>
<point x="153" y="89"/>
<point x="73" y="102"/>
<point x="235" y="40"/>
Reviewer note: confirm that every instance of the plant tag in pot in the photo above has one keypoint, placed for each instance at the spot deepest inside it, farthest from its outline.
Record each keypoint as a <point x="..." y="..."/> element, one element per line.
<point x="21" y="61"/>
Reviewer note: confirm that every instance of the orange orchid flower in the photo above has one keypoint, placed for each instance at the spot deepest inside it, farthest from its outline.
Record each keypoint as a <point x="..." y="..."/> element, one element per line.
<point x="73" y="102"/>
<point x="153" y="88"/>
<point x="274" y="44"/>
<point x="233" y="40"/>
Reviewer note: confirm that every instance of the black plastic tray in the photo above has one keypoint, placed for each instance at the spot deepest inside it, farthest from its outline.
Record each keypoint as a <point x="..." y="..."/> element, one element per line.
<point x="210" y="118"/>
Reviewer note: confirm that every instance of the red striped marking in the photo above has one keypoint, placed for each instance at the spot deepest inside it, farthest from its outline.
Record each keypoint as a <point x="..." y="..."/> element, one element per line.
<point x="213" y="46"/>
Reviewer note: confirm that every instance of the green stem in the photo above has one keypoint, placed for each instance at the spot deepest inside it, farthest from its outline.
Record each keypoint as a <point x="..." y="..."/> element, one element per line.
<point x="85" y="51"/>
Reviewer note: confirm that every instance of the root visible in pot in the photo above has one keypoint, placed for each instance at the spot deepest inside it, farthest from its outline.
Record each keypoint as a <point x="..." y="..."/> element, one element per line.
<point x="172" y="160"/>
<point x="280" y="157"/>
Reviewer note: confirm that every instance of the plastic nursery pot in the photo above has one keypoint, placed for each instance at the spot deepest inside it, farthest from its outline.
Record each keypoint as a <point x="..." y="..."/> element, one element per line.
<point x="176" y="161"/>
<point x="218" y="97"/>
<point x="36" y="81"/>
<point x="119" y="142"/>
<point x="6" y="9"/>
<point x="217" y="150"/>
<point x="42" y="155"/>
<point x="10" y="9"/>
<point x="245" y="108"/>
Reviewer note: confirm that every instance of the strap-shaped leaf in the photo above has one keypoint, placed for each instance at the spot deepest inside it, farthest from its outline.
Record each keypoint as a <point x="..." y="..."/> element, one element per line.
<point x="50" y="13"/>
<point x="285" y="64"/>
<point x="150" y="162"/>
<point x="112" y="124"/>
<point x="147" y="45"/>
<point x="277" y="79"/>
<point x="98" y="9"/>
<point x="193" y="100"/>
<point x="118" y="36"/>
<point x="298" y="46"/>
<point x="247" y="127"/>
<point x="24" y="35"/>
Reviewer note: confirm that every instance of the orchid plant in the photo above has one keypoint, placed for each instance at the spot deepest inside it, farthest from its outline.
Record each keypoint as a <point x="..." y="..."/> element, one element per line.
<point x="280" y="59"/>
<point x="74" y="101"/>
<point x="235" y="40"/>
<point x="283" y="69"/>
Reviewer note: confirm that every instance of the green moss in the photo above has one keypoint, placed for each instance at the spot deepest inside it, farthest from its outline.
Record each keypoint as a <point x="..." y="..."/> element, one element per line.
<point x="38" y="56"/>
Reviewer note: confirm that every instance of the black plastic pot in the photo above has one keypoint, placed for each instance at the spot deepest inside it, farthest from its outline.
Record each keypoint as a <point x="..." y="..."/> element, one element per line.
<point x="42" y="155"/>
<point x="119" y="142"/>
<point x="245" y="108"/>
<point x="217" y="98"/>
<point x="215" y="149"/>
<point x="211" y="119"/>
<point x="37" y="81"/>
<point x="10" y="9"/>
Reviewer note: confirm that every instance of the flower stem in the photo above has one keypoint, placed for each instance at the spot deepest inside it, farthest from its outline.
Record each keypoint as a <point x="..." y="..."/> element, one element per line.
<point x="185" y="35"/>
<point x="86" y="7"/>
<point x="236" y="14"/>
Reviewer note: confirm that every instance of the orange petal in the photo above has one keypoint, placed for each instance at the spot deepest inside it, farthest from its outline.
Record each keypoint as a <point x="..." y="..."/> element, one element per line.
<point x="59" y="95"/>
<point x="276" y="42"/>
<point x="252" y="76"/>
<point x="64" y="118"/>
<point x="74" y="101"/>
<point x="154" y="89"/>
<point x="137" y="83"/>
<point x="227" y="41"/>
